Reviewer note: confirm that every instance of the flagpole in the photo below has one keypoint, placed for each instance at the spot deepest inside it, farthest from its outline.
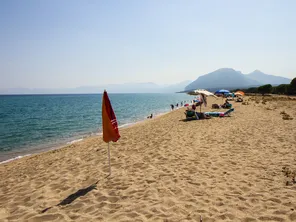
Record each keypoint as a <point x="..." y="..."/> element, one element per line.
<point x="109" y="159"/>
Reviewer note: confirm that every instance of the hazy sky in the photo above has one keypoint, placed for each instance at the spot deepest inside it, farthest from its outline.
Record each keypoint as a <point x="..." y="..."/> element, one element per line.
<point x="67" y="43"/>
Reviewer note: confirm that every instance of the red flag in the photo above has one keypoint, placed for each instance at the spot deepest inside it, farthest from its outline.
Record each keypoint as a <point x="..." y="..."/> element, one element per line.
<point x="110" y="127"/>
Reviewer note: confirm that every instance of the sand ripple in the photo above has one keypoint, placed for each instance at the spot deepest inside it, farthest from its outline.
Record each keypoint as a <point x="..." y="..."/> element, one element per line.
<point x="165" y="169"/>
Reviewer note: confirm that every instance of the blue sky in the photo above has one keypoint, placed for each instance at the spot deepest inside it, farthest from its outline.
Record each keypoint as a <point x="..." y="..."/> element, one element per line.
<point x="67" y="43"/>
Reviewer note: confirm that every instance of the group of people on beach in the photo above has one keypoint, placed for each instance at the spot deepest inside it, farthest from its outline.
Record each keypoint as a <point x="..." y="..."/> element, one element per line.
<point x="150" y="117"/>
<point x="198" y="115"/>
<point x="225" y="105"/>
<point x="177" y="105"/>
<point x="172" y="108"/>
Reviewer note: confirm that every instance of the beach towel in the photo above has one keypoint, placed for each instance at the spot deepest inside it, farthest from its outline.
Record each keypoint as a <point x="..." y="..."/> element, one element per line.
<point x="219" y="114"/>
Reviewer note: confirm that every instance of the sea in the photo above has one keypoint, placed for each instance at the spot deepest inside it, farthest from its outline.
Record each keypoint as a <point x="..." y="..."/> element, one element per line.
<point x="36" y="123"/>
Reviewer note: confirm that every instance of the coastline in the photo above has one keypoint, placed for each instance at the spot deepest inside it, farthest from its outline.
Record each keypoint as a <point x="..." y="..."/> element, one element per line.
<point x="165" y="168"/>
<point x="43" y="148"/>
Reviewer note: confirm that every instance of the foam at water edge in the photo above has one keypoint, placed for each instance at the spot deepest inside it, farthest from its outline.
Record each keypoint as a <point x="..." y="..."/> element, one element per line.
<point x="74" y="141"/>
<point x="125" y="125"/>
<point x="15" y="158"/>
<point x="161" y="114"/>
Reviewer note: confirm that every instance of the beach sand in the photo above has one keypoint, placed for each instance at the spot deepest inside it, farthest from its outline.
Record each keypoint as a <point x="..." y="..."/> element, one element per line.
<point x="166" y="169"/>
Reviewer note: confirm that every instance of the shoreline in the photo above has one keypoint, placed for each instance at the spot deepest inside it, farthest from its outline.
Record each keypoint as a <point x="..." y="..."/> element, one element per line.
<point x="43" y="148"/>
<point x="166" y="168"/>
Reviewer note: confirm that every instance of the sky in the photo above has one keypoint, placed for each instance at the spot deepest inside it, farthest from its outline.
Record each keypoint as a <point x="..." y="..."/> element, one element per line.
<point x="70" y="43"/>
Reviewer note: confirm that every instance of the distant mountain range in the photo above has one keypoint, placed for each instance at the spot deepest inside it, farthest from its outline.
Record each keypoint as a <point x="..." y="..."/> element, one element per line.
<point x="222" y="78"/>
<point x="230" y="78"/>
<point x="111" y="88"/>
<point x="267" y="79"/>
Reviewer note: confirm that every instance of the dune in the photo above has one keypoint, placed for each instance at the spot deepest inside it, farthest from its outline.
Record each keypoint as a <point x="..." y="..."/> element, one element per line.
<point x="237" y="168"/>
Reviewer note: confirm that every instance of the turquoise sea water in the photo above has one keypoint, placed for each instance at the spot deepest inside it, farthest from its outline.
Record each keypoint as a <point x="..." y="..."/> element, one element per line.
<point x="30" y="123"/>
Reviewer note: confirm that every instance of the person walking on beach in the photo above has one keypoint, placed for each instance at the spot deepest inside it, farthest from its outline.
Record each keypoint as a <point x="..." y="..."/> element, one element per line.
<point x="172" y="106"/>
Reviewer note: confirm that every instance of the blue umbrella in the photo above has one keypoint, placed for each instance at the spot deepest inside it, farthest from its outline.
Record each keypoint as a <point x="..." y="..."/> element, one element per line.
<point x="222" y="91"/>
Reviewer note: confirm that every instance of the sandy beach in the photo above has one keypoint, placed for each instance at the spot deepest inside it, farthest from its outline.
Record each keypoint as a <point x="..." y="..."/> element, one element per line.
<point x="236" y="168"/>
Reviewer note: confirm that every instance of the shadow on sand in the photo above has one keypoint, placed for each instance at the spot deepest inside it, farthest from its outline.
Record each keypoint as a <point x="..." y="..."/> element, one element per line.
<point x="74" y="196"/>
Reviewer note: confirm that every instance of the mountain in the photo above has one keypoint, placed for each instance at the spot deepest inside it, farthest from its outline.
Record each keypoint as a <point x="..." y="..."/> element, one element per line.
<point x="263" y="78"/>
<point x="176" y="87"/>
<point x="222" y="78"/>
<point x="148" y="87"/>
<point x="230" y="78"/>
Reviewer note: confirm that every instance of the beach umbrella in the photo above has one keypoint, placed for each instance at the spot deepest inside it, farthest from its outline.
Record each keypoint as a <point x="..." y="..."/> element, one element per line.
<point x="203" y="94"/>
<point x="222" y="91"/>
<point x="199" y="92"/>
<point x="110" y="126"/>
<point x="240" y="92"/>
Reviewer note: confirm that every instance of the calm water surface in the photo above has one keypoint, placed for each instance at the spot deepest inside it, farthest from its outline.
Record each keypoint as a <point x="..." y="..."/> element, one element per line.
<point x="29" y="123"/>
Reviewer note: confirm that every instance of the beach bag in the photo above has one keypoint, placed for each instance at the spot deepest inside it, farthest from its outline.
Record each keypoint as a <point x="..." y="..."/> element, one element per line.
<point x="215" y="106"/>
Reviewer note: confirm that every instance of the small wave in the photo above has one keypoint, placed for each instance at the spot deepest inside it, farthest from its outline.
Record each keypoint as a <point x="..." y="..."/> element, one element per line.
<point x="161" y="114"/>
<point x="95" y="134"/>
<point x="125" y="125"/>
<point x="15" y="158"/>
<point x="74" y="141"/>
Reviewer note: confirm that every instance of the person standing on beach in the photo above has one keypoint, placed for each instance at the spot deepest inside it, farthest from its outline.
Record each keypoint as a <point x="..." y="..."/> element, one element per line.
<point x="193" y="107"/>
<point x="172" y="106"/>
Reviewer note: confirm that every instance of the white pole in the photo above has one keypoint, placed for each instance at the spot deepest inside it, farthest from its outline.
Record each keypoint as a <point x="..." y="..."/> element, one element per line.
<point x="109" y="159"/>
<point x="200" y="99"/>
